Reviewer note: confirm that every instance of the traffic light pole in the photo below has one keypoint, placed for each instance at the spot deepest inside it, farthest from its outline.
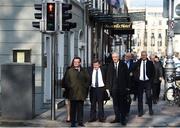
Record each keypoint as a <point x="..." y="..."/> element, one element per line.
<point x="53" y="54"/>
<point x="169" y="67"/>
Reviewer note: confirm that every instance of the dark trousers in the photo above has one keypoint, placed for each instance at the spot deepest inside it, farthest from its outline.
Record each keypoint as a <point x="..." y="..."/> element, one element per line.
<point x="76" y="111"/>
<point x="144" y="86"/>
<point x="119" y="105"/>
<point x="156" y="90"/>
<point x="135" y="90"/>
<point x="96" y="97"/>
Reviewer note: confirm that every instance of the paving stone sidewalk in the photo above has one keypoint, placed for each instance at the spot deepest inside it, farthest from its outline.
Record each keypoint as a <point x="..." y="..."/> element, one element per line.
<point x="165" y="115"/>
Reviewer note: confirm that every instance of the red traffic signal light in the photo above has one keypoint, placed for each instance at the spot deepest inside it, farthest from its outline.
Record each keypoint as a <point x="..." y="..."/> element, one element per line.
<point x="50" y="7"/>
<point x="50" y="17"/>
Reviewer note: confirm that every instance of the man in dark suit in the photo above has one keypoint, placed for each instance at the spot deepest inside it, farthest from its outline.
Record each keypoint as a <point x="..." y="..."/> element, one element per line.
<point x="157" y="78"/>
<point x="129" y="62"/>
<point x="143" y="74"/>
<point x="97" y="91"/>
<point x="117" y="80"/>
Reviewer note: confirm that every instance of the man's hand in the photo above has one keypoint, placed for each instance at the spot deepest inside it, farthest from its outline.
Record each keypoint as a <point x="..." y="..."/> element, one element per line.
<point x="109" y="94"/>
<point x="160" y="78"/>
<point x="128" y="90"/>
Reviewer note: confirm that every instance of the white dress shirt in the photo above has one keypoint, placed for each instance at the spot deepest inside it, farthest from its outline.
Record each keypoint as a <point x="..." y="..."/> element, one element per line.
<point x="100" y="79"/>
<point x="116" y="64"/>
<point x="141" y="71"/>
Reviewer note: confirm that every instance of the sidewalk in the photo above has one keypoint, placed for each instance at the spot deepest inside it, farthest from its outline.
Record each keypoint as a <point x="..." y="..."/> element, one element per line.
<point x="165" y="115"/>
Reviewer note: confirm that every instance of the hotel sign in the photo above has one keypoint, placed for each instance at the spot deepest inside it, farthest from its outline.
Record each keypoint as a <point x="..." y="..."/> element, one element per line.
<point x="119" y="26"/>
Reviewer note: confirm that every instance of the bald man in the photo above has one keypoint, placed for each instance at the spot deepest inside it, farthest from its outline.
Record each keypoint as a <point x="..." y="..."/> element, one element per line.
<point x="117" y="80"/>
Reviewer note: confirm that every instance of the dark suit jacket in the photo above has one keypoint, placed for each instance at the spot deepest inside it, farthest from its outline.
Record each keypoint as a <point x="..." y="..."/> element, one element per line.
<point x="150" y="71"/>
<point x="122" y="82"/>
<point x="103" y="71"/>
<point x="158" y="72"/>
<point x="130" y="74"/>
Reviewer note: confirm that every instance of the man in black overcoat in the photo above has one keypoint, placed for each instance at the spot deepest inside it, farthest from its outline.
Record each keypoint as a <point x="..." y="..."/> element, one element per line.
<point x="117" y="80"/>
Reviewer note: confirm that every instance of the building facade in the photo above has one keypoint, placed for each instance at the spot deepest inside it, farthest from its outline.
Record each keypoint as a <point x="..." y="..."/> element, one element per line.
<point x="21" y="43"/>
<point x="151" y="34"/>
<point x="105" y="20"/>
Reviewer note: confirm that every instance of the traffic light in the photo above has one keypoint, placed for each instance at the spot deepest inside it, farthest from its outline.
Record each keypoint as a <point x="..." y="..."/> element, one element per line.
<point x="65" y="24"/>
<point x="51" y="16"/>
<point x="38" y="16"/>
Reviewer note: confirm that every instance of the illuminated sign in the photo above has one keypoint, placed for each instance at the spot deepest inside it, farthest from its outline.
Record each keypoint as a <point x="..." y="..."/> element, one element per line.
<point x="120" y="26"/>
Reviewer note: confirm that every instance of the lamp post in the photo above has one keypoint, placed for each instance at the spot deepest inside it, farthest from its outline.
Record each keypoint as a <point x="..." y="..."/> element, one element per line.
<point x="169" y="67"/>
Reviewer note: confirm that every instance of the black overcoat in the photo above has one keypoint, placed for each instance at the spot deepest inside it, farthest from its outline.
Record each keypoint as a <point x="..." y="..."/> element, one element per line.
<point x="122" y="84"/>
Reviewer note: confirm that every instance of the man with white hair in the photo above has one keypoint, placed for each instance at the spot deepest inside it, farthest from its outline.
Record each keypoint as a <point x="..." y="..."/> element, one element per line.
<point x="117" y="80"/>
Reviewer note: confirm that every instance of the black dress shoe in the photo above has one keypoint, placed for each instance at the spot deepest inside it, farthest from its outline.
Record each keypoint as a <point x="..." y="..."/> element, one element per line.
<point x="81" y="125"/>
<point x="101" y="120"/>
<point x="154" y="101"/>
<point x="151" y="112"/>
<point x="140" y="114"/>
<point x="115" y="121"/>
<point x="123" y="123"/>
<point x="73" y="125"/>
<point x="92" y="120"/>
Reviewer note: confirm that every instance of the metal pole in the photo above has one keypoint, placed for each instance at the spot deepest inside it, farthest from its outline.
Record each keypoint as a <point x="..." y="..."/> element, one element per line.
<point x="53" y="77"/>
<point x="129" y="42"/>
<point x="169" y="67"/>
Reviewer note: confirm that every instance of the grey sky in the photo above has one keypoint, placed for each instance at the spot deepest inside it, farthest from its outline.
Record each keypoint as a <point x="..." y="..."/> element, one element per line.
<point x="148" y="3"/>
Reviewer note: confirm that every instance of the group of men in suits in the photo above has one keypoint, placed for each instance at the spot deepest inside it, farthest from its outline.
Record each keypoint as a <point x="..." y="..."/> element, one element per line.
<point x="123" y="77"/>
<point x="118" y="78"/>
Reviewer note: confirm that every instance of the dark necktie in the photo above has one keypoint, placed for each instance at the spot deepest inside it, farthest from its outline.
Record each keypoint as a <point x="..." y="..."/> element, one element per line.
<point x="127" y="62"/>
<point x="116" y="68"/>
<point x="144" y="70"/>
<point x="96" y="80"/>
